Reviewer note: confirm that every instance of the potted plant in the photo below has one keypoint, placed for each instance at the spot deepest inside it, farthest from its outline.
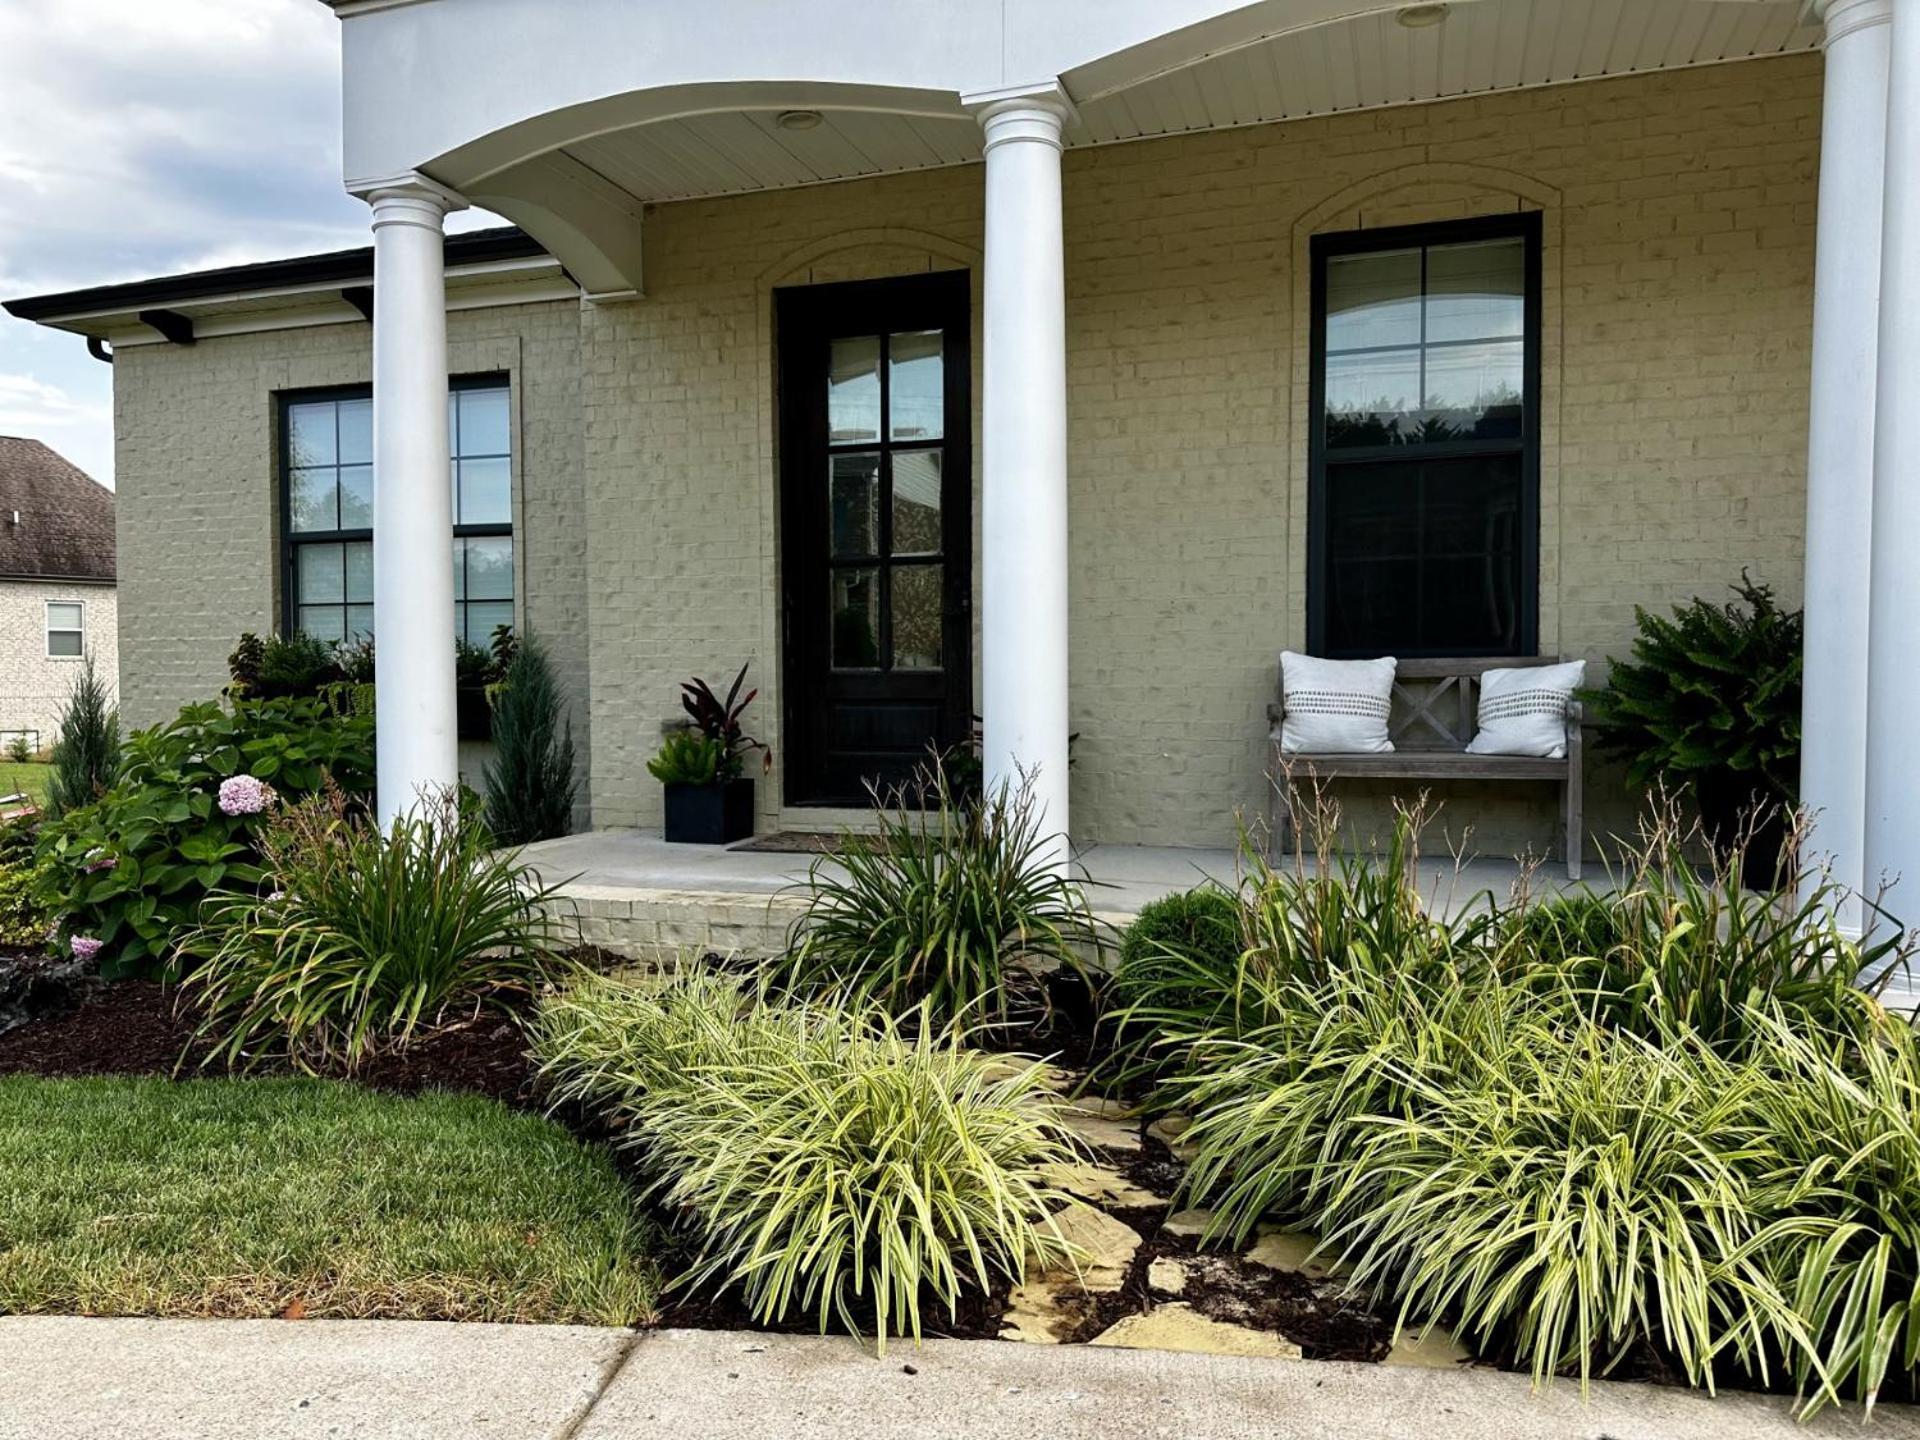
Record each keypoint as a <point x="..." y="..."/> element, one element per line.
<point x="703" y="765"/>
<point x="1710" y="702"/>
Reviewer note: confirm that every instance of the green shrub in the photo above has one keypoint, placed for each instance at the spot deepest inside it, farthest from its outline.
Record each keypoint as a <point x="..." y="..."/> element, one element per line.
<point x="20" y="750"/>
<point x="530" y="780"/>
<point x="1179" y="960"/>
<point x="828" y="1164"/>
<point x="24" y="920"/>
<point x="86" y="754"/>
<point x="687" y="757"/>
<point x="366" y="937"/>
<point x="955" y="909"/>
<point x="131" y="869"/>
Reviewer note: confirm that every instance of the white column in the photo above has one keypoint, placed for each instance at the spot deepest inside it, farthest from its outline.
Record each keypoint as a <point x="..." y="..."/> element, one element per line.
<point x="1023" y="527"/>
<point x="1846" y="320"/>
<point x="412" y="499"/>
<point x="1893" y="644"/>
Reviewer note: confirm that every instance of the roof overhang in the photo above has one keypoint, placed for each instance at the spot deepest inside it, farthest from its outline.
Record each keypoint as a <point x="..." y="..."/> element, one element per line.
<point x="501" y="266"/>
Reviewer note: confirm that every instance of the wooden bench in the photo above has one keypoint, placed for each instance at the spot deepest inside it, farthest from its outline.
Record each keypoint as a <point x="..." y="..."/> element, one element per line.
<point x="1436" y="705"/>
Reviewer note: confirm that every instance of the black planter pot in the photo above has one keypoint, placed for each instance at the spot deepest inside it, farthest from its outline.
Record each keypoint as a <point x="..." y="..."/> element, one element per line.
<point x="710" y="814"/>
<point x="1732" y="809"/>
<point x="473" y="716"/>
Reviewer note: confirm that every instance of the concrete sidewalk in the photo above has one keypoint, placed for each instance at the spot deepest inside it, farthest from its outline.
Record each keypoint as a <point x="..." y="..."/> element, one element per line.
<point x="67" y="1379"/>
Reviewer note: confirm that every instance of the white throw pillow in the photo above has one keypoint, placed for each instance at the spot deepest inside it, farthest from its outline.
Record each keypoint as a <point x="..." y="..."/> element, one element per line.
<point x="1335" y="707"/>
<point x="1524" y="711"/>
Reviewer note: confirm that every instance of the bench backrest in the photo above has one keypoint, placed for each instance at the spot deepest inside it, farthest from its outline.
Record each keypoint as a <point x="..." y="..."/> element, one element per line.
<point x="1436" y="703"/>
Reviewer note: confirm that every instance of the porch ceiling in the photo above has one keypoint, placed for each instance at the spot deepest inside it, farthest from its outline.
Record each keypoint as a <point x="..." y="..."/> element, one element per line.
<point x="1320" y="68"/>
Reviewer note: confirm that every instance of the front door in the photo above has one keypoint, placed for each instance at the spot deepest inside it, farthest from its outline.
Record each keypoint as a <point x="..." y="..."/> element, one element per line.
<point x="876" y="530"/>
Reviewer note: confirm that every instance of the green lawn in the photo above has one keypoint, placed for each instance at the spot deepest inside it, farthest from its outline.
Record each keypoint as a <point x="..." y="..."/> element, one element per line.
<point x="29" y="778"/>
<point x="243" y="1197"/>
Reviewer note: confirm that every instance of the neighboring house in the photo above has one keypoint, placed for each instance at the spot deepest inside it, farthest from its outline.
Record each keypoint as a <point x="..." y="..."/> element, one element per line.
<point x="1059" y="362"/>
<point x="56" y="587"/>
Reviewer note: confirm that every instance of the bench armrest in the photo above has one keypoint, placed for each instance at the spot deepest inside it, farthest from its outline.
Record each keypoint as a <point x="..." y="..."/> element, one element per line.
<point x="1276" y="716"/>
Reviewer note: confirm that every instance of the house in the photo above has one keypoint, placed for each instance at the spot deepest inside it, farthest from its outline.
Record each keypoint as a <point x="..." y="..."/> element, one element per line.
<point x="1060" y="363"/>
<point x="57" y="601"/>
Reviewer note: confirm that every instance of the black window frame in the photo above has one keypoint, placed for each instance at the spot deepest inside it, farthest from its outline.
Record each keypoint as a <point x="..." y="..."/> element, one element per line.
<point x="1526" y="226"/>
<point x="290" y="543"/>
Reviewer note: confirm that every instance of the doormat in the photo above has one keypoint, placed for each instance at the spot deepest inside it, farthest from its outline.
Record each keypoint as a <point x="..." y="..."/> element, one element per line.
<point x="795" y="842"/>
<point x="792" y="842"/>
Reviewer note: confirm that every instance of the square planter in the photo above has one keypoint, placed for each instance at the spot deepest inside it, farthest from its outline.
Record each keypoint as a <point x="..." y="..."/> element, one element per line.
<point x="710" y="814"/>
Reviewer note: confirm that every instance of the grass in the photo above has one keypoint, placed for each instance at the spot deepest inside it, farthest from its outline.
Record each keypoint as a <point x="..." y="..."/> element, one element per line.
<point x="222" y="1198"/>
<point x="29" y="779"/>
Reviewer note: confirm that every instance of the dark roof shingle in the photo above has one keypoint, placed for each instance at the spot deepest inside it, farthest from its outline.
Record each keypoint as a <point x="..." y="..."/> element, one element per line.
<point x="65" y="525"/>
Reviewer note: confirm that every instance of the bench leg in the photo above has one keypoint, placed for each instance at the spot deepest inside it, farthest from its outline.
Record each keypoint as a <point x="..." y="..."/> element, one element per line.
<point x="1572" y="795"/>
<point x="1279" y="810"/>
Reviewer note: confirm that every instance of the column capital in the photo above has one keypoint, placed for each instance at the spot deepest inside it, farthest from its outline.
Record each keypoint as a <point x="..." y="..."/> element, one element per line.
<point x="409" y="199"/>
<point x="1843" y="17"/>
<point x="1022" y="112"/>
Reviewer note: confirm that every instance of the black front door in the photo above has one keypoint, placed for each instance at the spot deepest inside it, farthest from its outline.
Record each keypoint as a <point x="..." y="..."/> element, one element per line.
<point x="876" y="548"/>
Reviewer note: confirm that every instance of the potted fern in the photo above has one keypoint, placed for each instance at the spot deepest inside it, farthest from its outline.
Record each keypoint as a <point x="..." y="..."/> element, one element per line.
<point x="1710" y="702"/>
<point x="703" y="766"/>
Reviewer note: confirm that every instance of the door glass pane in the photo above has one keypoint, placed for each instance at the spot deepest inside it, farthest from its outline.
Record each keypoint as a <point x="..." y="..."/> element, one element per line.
<point x="856" y="618"/>
<point x="482" y="422"/>
<point x="917" y="402"/>
<point x="489" y="569"/>
<point x="484" y="496"/>
<point x="1476" y="291"/>
<point x="356" y="432"/>
<point x="359" y="566"/>
<point x="853" y="390"/>
<point x="916" y="502"/>
<point x="1473" y="391"/>
<point x="918" y="610"/>
<point x="483" y="617"/>
<point x="313" y="500"/>
<point x="356" y="497"/>
<point x="310" y="438"/>
<point x="855" y="502"/>
<point x="319" y="574"/>
<point x="1373" y="300"/>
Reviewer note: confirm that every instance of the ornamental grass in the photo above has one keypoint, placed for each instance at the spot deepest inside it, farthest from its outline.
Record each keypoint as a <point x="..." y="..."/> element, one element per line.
<point x="826" y="1162"/>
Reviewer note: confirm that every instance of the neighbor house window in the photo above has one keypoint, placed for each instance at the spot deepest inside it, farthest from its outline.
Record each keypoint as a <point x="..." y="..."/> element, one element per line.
<point x="328" y="470"/>
<point x="1423" y="514"/>
<point x="66" y="629"/>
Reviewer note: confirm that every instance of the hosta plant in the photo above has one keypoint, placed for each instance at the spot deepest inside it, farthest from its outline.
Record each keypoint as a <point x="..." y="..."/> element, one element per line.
<point x="368" y="937"/>
<point x="949" y="909"/>
<point x="827" y="1163"/>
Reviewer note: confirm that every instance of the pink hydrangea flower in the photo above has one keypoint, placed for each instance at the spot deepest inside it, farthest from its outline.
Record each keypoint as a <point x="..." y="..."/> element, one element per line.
<point x="244" y="795"/>
<point x="85" y="947"/>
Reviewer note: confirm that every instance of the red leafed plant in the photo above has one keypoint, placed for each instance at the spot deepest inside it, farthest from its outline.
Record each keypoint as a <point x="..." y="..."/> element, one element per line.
<point x="719" y="720"/>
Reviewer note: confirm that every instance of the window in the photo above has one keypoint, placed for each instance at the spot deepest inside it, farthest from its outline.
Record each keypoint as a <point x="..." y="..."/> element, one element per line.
<point x="327" y="463"/>
<point x="66" y="629"/>
<point x="1423" y="520"/>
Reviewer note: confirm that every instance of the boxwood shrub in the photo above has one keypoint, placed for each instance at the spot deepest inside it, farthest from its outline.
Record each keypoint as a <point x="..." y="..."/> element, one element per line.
<point x="130" y="870"/>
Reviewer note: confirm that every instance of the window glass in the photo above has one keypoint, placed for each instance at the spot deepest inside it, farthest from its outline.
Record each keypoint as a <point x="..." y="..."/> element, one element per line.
<point x="66" y="636"/>
<point x="853" y="390"/>
<point x="329" y="512"/>
<point x="1422" y="550"/>
<point x="916" y="379"/>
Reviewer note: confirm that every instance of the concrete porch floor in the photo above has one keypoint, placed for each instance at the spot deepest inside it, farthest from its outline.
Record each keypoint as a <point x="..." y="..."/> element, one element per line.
<point x="631" y="891"/>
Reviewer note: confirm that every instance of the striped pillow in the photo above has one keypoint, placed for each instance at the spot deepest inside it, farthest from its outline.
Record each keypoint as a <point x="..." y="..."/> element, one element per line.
<point x="1335" y="707"/>
<point x="1524" y="711"/>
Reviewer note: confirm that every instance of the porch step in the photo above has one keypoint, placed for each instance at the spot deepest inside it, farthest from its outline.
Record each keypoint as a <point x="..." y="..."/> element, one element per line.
<point x="651" y="924"/>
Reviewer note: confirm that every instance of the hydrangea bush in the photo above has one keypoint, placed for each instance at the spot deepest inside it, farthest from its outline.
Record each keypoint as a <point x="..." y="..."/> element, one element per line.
<point x="128" y="872"/>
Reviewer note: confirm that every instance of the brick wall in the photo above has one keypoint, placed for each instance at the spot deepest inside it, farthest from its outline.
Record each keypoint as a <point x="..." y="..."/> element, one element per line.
<point x="197" y="500"/>
<point x="1678" y="213"/>
<point x="34" y="685"/>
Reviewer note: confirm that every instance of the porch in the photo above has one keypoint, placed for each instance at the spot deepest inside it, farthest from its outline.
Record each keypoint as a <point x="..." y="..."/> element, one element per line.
<point x="1146" y="252"/>
<point x="633" y="893"/>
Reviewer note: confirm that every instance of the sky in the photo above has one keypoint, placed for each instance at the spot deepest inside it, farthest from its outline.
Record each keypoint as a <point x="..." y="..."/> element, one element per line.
<point x="150" y="137"/>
